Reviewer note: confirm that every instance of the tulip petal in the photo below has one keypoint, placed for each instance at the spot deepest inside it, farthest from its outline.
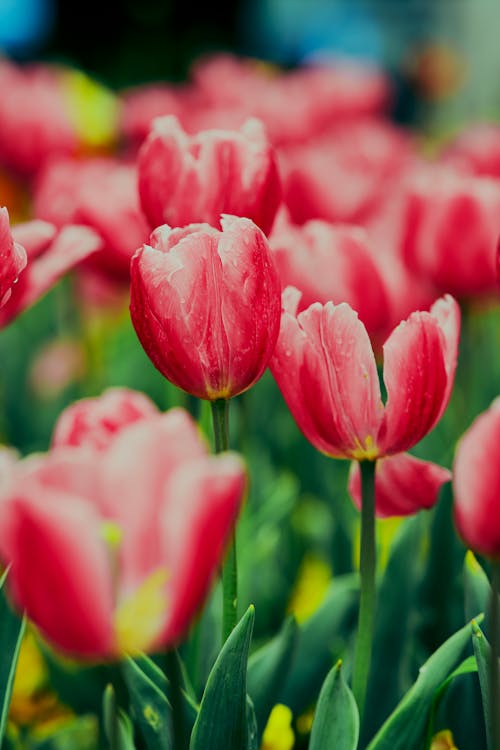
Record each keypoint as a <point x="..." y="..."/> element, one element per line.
<point x="60" y="569"/>
<point x="476" y="484"/>
<point x="403" y="485"/>
<point x="200" y="507"/>
<point x="72" y="245"/>
<point x="157" y="446"/>
<point x="325" y="368"/>
<point x="416" y="356"/>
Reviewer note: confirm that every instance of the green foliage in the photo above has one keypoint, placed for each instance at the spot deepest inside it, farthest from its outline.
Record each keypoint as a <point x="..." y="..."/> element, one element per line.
<point x="336" y="719"/>
<point x="11" y="635"/>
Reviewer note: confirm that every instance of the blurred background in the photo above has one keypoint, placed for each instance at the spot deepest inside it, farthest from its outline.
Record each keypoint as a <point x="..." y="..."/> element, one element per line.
<point x="443" y="57"/>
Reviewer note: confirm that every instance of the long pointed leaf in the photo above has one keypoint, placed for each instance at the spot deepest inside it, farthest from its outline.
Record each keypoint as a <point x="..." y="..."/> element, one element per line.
<point x="336" y="719"/>
<point x="222" y="719"/>
<point x="11" y="635"/>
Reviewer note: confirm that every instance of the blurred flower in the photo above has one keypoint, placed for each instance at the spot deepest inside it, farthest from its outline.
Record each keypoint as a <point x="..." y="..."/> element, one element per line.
<point x="33" y="703"/>
<point x="325" y="368"/>
<point x="443" y="741"/>
<point x="57" y="365"/>
<point x="95" y="422"/>
<point x="51" y="254"/>
<point x="404" y="484"/>
<point x="310" y="587"/>
<point x="185" y="179"/>
<point x="206" y="305"/>
<point x="13" y="258"/>
<point x="475" y="149"/>
<point x="347" y="173"/>
<point x="278" y="733"/>
<point x="112" y="551"/>
<point x="100" y="193"/>
<point x="451" y="229"/>
<point x="331" y="262"/>
<point x="476" y="484"/>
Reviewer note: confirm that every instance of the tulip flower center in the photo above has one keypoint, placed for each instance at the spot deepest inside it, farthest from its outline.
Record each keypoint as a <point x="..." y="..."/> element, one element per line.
<point x="367" y="452"/>
<point x="140" y="617"/>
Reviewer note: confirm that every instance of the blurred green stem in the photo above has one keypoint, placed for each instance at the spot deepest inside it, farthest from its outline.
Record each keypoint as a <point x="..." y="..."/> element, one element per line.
<point x="174" y="677"/>
<point x="494" y="672"/>
<point x="367" y="565"/>
<point x="220" y="418"/>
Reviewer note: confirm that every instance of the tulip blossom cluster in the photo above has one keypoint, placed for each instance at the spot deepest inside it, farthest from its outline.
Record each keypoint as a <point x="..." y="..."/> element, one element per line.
<point x="99" y="572"/>
<point x="247" y="218"/>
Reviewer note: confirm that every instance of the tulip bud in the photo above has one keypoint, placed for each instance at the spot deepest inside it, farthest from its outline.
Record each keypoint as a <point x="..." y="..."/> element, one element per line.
<point x="206" y="305"/>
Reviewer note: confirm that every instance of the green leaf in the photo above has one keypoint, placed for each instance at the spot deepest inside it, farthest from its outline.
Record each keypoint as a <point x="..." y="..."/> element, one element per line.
<point x="11" y="635"/>
<point x="406" y="727"/>
<point x="482" y="653"/>
<point x="117" y="725"/>
<point x="267" y="671"/>
<point x="319" y="638"/>
<point x="397" y="597"/>
<point x="336" y="719"/>
<point x="477" y="587"/>
<point x="150" y="708"/>
<point x="222" y="719"/>
<point x="253" y="732"/>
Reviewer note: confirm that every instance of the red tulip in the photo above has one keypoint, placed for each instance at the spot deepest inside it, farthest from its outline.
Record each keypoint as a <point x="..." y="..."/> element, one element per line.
<point x="113" y="550"/>
<point x="325" y="368"/>
<point x="476" y="484"/>
<point x="331" y="262"/>
<point x="185" y="179"/>
<point x="101" y="194"/>
<point x="206" y="305"/>
<point x="95" y="422"/>
<point x="51" y="254"/>
<point x="12" y="258"/>
<point x="476" y="149"/>
<point x="451" y="230"/>
<point x="403" y="484"/>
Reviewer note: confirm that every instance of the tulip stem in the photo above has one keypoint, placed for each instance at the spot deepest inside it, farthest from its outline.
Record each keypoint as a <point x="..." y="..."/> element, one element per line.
<point x="367" y="565"/>
<point x="220" y="418"/>
<point x="494" y="672"/>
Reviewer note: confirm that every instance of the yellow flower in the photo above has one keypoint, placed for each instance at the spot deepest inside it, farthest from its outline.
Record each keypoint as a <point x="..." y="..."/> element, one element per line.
<point x="443" y="741"/>
<point x="312" y="582"/>
<point x="278" y="734"/>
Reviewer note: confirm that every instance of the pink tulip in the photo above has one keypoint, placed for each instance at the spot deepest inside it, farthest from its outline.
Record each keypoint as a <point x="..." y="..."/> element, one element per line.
<point x="100" y="193"/>
<point x="451" y="228"/>
<point x="347" y="173"/>
<point x="12" y="258"/>
<point x="206" y="305"/>
<point x="95" y="422"/>
<point x="325" y="368"/>
<point x="476" y="150"/>
<point x="403" y="484"/>
<point x="331" y="262"/>
<point x="51" y="254"/>
<point x="112" y="551"/>
<point x="35" y="120"/>
<point x="476" y="484"/>
<point x="185" y="179"/>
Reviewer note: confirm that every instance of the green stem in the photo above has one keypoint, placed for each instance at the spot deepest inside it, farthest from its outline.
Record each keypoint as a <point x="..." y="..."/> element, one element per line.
<point x="174" y="677"/>
<point x="220" y="418"/>
<point x="367" y="566"/>
<point x="494" y="672"/>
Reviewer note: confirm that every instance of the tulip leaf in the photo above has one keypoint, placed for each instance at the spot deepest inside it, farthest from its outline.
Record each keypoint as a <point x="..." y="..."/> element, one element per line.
<point x="336" y="719"/>
<point x="318" y="639"/>
<point x="222" y="719"/>
<point x="393" y="623"/>
<point x="253" y="731"/>
<point x="11" y="635"/>
<point x="482" y="653"/>
<point x="117" y="725"/>
<point x="151" y="711"/>
<point x="268" y="669"/>
<point x="405" y="729"/>
<point x="477" y="587"/>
